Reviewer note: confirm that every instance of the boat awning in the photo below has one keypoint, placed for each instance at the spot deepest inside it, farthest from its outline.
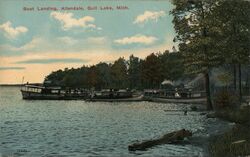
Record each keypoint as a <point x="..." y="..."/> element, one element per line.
<point x="42" y="87"/>
<point x="34" y="86"/>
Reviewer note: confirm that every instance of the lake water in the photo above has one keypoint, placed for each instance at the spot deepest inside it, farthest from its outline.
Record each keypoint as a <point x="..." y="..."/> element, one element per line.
<point x="78" y="128"/>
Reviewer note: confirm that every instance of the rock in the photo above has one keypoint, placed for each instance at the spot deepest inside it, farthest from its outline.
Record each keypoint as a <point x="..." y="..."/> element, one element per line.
<point x="211" y="115"/>
<point x="203" y="113"/>
<point x="194" y="108"/>
<point x="170" y="138"/>
<point x="185" y="112"/>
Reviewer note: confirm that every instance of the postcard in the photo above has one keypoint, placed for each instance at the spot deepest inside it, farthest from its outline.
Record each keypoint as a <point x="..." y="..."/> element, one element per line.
<point x="124" y="78"/>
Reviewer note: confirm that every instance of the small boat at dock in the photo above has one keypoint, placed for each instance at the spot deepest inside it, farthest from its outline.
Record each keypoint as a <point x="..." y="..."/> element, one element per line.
<point x="38" y="92"/>
<point x="111" y="95"/>
<point x="173" y="96"/>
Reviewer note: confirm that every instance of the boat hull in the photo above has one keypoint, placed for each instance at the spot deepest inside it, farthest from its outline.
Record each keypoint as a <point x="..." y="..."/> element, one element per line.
<point x="132" y="99"/>
<point x="28" y="95"/>
<point x="198" y="100"/>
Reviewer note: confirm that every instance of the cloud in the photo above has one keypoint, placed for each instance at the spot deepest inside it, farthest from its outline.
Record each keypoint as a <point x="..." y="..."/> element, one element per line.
<point x="67" y="40"/>
<point x="96" y="40"/>
<point x="149" y="15"/>
<point x="34" y="45"/>
<point x="62" y="44"/>
<point x="51" y="61"/>
<point x="69" y="22"/>
<point x="12" y="68"/>
<point x="11" y="32"/>
<point x="137" y="39"/>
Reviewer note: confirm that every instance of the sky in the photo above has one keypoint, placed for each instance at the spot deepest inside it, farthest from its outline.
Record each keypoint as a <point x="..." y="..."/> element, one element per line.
<point x="39" y="36"/>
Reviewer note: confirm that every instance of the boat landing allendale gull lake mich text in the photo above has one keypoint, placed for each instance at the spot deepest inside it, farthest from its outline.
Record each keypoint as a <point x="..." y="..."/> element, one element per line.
<point x="76" y="8"/>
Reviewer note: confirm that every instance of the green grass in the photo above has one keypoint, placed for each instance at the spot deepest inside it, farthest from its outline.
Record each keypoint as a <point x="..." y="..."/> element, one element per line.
<point x="223" y="145"/>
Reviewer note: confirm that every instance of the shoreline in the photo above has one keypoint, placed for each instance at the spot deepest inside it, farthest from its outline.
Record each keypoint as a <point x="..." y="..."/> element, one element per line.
<point x="213" y="127"/>
<point x="10" y="85"/>
<point x="233" y="141"/>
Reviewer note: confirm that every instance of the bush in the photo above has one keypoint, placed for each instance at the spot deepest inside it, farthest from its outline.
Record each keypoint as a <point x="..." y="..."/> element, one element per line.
<point x="241" y="116"/>
<point x="224" y="99"/>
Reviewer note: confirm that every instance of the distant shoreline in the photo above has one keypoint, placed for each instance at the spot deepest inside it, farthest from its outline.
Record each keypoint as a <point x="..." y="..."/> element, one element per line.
<point x="10" y="85"/>
<point x="17" y="84"/>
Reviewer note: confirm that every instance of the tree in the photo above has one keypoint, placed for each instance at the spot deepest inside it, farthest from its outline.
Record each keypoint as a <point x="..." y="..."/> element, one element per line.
<point x="104" y="75"/>
<point x="172" y="65"/>
<point x="196" y="39"/>
<point x="152" y="74"/>
<point x="134" y="72"/>
<point x="92" y="77"/>
<point x="232" y="19"/>
<point x="119" y="73"/>
<point x="55" y="77"/>
<point x="82" y="76"/>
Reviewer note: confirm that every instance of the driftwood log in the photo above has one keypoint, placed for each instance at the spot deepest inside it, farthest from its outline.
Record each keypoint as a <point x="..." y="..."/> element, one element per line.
<point x="170" y="138"/>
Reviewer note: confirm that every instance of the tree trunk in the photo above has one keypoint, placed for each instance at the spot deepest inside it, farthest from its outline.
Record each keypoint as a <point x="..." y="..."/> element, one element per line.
<point x="247" y="84"/>
<point x="207" y="82"/>
<point x="240" y="90"/>
<point x="235" y="73"/>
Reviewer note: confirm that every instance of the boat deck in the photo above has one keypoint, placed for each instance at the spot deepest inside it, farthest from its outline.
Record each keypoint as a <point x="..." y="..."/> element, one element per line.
<point x="201" y="100"/>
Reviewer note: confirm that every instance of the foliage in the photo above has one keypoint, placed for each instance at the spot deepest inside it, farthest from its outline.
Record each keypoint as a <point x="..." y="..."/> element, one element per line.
<point x="134" y="73"/>
<point x="196" y="39"/>
<point x="241" y="115"/>
<point x="225" y="78"/>
<point x="212" y="33"/>
<point x="231" y="20"/>
<point x="152" y="71"/>
<point x="172" y="65"/>
<point x="225" y="98"/>
<point x="119" y="73"/>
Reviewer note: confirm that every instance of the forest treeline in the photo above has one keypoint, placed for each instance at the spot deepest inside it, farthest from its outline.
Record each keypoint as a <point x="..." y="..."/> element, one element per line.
<point x="134" y="73"/>
<point x="209" y="33"/>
